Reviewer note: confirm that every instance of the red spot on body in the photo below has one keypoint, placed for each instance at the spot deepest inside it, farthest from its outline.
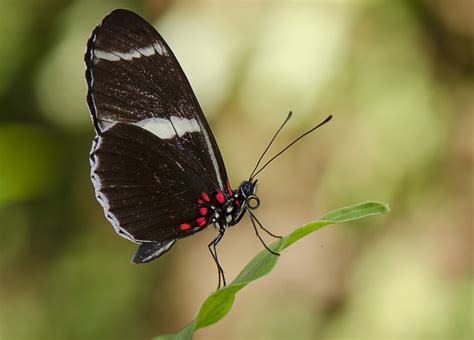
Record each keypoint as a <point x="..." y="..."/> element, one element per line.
<point x="185" y="226"/>
<point x="220" y="197"/>
<point x="200" y="201"/>
<point x="229" y="189"/>
<point x="203" y="211"/>
<point x="201" y="221"/>
<point x="237" y="203"/>
<point x="205" y="197"/>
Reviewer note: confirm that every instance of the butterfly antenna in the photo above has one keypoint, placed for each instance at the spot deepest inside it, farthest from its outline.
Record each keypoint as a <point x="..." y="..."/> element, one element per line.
<point x="271" y="141"/>
<point x="290" y="145"/>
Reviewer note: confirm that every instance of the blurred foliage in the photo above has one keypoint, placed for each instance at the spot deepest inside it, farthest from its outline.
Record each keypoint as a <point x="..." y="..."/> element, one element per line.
<point x="398" y="77"/>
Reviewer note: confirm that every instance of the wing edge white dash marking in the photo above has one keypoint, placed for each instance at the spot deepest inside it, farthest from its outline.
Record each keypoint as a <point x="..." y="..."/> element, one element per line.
<point x="102" y="199"/>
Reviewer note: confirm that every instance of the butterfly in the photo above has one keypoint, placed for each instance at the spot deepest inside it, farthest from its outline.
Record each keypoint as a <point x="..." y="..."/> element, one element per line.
<point x="155" y="165"/>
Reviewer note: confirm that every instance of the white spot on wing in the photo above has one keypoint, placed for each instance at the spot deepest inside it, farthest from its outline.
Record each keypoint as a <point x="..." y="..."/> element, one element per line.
<point x="160" y="127"/>
<point x="147" y="51"/>
<point x="184" y="125"/>
<point x="180" y="166"/>
<point x="106" y="55"/>
<point x="168" y="128"/>
<point x="159" y="49"/>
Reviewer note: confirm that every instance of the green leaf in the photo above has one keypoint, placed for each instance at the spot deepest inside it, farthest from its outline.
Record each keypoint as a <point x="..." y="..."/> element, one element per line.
<point x="219" y="303"/>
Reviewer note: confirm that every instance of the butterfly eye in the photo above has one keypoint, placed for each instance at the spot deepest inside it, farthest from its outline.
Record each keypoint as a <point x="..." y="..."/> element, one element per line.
<point x="253" y="202"/>
<point x="247" y="189"/>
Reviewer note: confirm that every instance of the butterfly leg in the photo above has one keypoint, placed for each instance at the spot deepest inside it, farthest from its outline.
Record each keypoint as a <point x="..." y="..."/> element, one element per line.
<point x="251" y="216"/>
<point x="213" y="251"/>
<point x="261" y="226"/>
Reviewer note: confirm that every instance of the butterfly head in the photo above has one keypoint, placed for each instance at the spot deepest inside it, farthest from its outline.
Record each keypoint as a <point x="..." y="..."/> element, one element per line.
<point x="247" y="189"/>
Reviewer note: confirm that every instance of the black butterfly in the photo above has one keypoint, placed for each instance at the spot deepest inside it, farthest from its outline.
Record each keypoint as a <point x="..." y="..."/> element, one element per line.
<point x="156" y="167"/>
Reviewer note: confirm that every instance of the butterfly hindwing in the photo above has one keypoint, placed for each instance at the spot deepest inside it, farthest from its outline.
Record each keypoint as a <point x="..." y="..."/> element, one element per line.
<point x="149" y="251"/>
<point x="144" y="186"/>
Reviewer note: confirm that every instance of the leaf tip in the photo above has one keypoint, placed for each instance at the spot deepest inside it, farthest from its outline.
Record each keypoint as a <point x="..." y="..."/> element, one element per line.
<point x="384" y="207"/>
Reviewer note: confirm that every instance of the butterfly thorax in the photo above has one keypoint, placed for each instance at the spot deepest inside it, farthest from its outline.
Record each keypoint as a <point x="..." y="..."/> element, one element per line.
<point x="224" y="209"/>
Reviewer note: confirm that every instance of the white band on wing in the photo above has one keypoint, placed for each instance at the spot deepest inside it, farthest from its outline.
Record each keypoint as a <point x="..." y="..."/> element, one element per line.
<point x="134" y="53"/>
<point x="168" y="128"/>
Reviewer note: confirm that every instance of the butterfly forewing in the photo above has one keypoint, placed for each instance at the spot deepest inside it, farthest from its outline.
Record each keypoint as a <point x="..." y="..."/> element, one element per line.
<point x="133" y="77"/>
<point x="154" y="153"/>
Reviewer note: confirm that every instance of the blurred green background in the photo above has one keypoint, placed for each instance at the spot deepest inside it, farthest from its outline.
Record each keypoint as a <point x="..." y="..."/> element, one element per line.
<point x="398" y="77"/>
